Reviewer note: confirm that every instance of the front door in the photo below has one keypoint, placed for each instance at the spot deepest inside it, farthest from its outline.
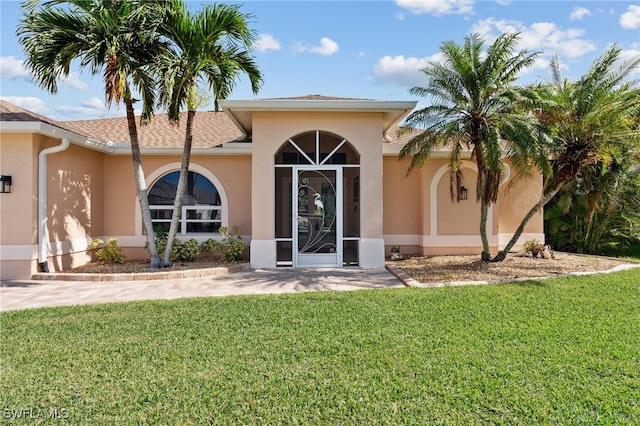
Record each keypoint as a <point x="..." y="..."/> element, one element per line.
<point x="317" y="224"/>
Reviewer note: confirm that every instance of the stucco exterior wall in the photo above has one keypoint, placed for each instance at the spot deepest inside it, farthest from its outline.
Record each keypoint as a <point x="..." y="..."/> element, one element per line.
<point x="91" y="195"/>
<point x="18" y="209"/>
<point x="403" y="198"/>
<point x="231" y="174"/>
<point x="74" y="203"/>
<point x="73" y="199"/>
<point x="271" y="129"/>
<point x="409" y="205"/>
<point x="515" y="202"/>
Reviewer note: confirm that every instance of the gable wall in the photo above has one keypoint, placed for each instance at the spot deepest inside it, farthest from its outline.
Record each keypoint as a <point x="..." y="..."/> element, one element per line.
<point x="362" y="130"/>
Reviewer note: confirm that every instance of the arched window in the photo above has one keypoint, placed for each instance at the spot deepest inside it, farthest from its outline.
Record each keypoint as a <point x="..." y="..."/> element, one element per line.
<point x="202" y="204"/>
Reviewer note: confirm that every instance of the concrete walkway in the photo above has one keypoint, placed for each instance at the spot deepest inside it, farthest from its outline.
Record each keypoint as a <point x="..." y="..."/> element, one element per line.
<point x="22" y="294"/>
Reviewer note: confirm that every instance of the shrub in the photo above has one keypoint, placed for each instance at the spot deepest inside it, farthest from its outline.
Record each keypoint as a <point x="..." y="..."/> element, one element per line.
<point x="161" y="237"/>
<point x="233" y="242"/>
<point x="188" y="252"/>
<point x="212" y="246"/>
<point x="533" y="246"/>
<point x="110" y="252"/>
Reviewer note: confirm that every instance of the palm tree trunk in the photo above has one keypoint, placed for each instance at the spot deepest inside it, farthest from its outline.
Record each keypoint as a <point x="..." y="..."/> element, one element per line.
<point x="141" y="186"/>
<point x="546" y="197"/>
<point x="481" y="194"/>
<point x="182" y="184"/>
<point x="486" y="251"/>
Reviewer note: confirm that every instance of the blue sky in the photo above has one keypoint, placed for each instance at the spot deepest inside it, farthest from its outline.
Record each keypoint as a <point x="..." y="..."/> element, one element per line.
<point x="359" y="49"/>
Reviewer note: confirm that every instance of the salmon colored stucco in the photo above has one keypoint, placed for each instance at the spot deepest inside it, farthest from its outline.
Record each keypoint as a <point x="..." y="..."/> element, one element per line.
<point x="90" y="191"/>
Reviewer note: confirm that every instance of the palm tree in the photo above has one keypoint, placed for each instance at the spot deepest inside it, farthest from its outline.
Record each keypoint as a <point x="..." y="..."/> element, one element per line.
<point x="477" y="108"/>
<point x="591" y="119"/>
<point x="117" y="38"/>
<point x="210" y="47"/>
<point x="599" y="213"/>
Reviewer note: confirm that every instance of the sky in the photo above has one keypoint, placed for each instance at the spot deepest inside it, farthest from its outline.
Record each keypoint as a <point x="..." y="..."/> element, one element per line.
<point x="359" y="49"/>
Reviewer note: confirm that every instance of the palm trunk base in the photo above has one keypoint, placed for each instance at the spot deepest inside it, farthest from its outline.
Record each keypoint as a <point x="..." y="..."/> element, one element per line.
<point x="499" y="257"/>
<point x="155" y="262"/>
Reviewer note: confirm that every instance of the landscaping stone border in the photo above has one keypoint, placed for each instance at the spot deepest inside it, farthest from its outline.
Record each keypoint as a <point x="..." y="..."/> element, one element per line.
<point x="142" y="276"/>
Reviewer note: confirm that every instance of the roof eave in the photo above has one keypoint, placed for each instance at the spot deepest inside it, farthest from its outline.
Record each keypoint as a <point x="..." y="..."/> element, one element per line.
<point x="231" y="148"/>
<point x="393" y="149"/>
<point x="240" y="111"/>
<point x="56" y="132"/>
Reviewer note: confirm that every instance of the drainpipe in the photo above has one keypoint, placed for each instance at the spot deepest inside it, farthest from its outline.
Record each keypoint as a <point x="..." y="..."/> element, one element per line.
<point x="42" y="202"/>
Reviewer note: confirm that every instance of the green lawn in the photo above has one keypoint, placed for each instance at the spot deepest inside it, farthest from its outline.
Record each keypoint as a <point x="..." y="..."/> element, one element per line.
<point x="561" y="351"/>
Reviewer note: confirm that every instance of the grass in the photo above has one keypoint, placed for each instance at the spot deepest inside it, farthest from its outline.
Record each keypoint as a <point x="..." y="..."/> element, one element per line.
<point x="559" y="351"/>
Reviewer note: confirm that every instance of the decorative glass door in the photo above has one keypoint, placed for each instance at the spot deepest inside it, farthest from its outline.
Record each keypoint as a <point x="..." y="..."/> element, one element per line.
<point x="317" y="216"/>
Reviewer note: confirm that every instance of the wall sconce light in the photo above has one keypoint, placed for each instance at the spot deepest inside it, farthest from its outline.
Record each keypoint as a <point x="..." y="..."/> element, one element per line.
<point x="6" y="184"/>
<point x="462" y="192"/>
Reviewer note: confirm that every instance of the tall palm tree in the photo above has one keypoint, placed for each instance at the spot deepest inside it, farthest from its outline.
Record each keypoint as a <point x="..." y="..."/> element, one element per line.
<point x="117" y="38"/>
<point x="209" y="47"/>
<point x="476" y="107"/>
<point x="590" y="118"/>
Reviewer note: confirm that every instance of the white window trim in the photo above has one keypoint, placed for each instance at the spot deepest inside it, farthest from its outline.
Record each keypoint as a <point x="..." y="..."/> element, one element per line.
<point x="193" y="167"/>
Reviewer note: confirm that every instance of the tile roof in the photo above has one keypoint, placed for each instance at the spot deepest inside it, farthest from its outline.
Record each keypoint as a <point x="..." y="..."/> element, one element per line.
<point x="210" y="129"/>
<point x="11" y="112"/>
<point x="401" y="139"/>
<point x="317" y="98"/>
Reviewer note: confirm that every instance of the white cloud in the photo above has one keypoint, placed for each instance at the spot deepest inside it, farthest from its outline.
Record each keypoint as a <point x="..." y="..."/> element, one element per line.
<point x="579" y="13"/>
<point x="631" y="18"/>
<point x="88" y="111"/>
<point x="401" y="71"/>
<point x="30" y="103"/>
<point x="267" y="42"/>
<point x="94" y="103"/>
<point x="629" y="54"/>
<point x="73" y="81"/>
<point x="327" y="47"/>
<point x="540" y="36"/>
<point x="503" y="2"/>
<point x="437" y="7"/>
<point x="540" y="63"/>
<point x="11" y="67"/>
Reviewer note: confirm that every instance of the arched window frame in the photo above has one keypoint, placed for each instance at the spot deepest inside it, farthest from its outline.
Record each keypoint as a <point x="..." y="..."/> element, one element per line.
<point x="193" y="167"/>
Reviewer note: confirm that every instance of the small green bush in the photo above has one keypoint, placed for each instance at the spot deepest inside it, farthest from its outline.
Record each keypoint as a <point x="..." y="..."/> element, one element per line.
<point x="161" y="237"/>
<point x="533" y="246"/>
<point x="110" y="252"/>
<point x="187" y="251"/>
<point x="211" y="246"/>
<point x="233" y="241"/>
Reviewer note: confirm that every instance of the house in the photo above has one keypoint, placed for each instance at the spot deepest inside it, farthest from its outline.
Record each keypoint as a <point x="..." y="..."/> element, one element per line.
<point x="311" y="181"/>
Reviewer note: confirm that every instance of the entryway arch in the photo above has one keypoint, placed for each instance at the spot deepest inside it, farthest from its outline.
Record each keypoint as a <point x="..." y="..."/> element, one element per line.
<point x="317" y="192"/>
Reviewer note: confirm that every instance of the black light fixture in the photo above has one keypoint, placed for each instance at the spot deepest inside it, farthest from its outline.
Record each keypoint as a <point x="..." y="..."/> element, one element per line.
<point x="462" y="192"/>
<point x="6" y="184"/>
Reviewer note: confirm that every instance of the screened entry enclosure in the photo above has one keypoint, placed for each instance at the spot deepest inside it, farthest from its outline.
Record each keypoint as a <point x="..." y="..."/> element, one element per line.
<point x="317" y="202"/>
